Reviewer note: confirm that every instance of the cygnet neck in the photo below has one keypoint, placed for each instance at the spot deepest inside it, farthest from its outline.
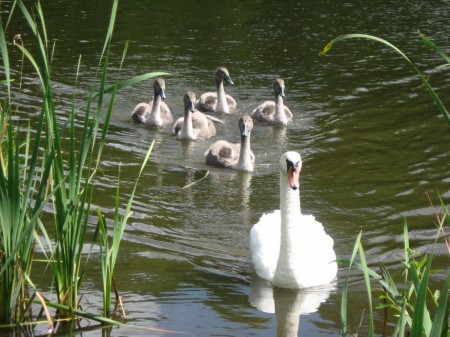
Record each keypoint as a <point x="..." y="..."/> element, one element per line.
<point x="156" y="109"/>
<point x="280" y="114"/>
<point x="188" y="130"/>
<point x="222" y="104"/>
<point x="245" y="159"/>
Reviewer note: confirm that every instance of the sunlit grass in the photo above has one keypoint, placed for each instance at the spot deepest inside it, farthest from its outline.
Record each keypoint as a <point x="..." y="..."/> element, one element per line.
<point x="422" y="77"/>
<point x="21" y="200"/>
<point x="109" y="252"/>
<point x="38" y="170"/>
<point x="410" y="300"/>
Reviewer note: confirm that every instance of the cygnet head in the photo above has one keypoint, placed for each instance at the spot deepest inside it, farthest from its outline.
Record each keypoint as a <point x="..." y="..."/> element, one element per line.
<point x="221" y="74"/>
<point x="290" y="165"/>
<point x="160" y="87"/>
<point x="189" y="101"/>
<point x="245" y="125"/>
<point x="278" y="87"/>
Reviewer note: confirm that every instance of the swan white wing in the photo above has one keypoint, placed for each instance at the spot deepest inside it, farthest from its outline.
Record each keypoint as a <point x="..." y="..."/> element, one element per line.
<point x="265" y="244"/>
<point x="313" y="253"/>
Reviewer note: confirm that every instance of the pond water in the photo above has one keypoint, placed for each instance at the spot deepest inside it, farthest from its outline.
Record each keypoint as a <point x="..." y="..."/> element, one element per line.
<point x="374" y="147"/>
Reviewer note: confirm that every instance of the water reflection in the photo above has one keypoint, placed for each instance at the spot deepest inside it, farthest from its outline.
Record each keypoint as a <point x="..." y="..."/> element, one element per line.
<point x="287" y="304"/>
<point x="245" y="179"/>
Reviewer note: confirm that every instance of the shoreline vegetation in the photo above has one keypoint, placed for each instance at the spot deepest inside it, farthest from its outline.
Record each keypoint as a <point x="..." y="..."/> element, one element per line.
<point x="36" y="173"/>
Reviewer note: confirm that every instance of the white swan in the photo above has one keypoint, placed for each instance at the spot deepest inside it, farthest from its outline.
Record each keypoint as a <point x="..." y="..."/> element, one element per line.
<point x="194" y="124"/>
<point x="288" y="248"/>
<point x="156" y="112"/>
<point x="218" y="101"/>
<point x="274" y="112"/>
<point x="235" y="156"/>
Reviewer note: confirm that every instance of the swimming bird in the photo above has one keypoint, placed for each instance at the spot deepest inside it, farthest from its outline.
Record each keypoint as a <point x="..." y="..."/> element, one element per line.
<point x="218" y="101"/>
<point x="274" y="112"/>
<point x="288" y="248"/>
<point x="235" y="156"/>
<point x="194" y="124"/>
<point x="156" y="112"/>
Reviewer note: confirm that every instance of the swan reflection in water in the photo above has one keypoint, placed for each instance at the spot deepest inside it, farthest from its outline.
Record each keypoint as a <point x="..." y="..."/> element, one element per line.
<point x="287" y="304"/>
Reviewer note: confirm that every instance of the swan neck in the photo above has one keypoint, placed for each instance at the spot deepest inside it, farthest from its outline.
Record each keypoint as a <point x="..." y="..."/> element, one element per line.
<point x="222" y="104"/>
<point x="290" y="215"/>
<point x="289" y="203"/>
<point x="156" y="107"/>
<point x="245" y="159"/>
<point x="280" y="114"/>
<point x="188" y="130"/>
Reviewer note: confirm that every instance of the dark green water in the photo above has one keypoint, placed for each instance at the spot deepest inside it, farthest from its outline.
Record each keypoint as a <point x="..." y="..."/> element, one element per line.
<point x="372" y="142"/>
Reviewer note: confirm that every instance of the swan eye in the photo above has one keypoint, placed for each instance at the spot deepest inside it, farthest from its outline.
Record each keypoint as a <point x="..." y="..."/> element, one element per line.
<point x="291" y="165"/>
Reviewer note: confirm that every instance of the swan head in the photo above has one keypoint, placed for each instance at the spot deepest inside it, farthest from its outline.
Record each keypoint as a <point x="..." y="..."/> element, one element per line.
<point x="278" y="87"/>
<point x="189" y="101"/>
<point x="290" y="165"/>
<point x="245" y="125"/>
<point x="160" y="87"/>
<point x="221" y="74"/>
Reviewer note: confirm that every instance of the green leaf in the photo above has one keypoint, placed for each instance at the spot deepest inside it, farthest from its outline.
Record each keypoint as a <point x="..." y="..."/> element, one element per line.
<point x="440" y="323"/>
<point x="133" y="81"/>
<point x="431" y="91"/>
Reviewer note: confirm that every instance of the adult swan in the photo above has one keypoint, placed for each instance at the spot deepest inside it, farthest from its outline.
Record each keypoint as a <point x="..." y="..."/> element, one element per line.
<point x="288" y="248"/>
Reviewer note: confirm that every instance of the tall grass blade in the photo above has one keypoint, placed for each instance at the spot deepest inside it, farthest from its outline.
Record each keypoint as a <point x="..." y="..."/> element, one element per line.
<point x="196" y="181"/>
<point x="108" y="321"/>
<point x="399" y="330"/>
<point x="421" y="322"/>
<point x="134" y="80"/>
<point x="109" y="33"/>
<point x="431" y="91"/>
<point x="345" y="288"/>
<point x="109" y="253"/>
<point x="365" y="270"/>
<point x="440" y="322"/>
<point x="434" y="47"/>
<point x="5" y="58"/>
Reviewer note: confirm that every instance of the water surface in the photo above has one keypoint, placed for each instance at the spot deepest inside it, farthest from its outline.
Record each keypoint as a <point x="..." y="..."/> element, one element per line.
<point x="374" y="147"/>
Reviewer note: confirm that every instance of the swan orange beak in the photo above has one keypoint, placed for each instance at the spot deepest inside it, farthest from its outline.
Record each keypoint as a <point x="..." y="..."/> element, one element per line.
<point x="294" y="177"/>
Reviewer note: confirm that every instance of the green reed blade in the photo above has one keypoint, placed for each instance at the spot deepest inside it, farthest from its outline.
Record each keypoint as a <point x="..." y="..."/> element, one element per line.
<point x="434" y="47"/>
<point x="5" y="58"/>
<point x="197" y="181"/>
<point x="431" y="91"/>
<point x="112" y="20"/>
<point x="134" y="80"/>
<point x="345" y="288"/>
<point x="422" y="321"/>
<point x="41" y="44"/>
<point x="399" y="330"/>
<point x="109" y="253"/>
<point x="440" y="324"/>
<point x="368" y="287"/>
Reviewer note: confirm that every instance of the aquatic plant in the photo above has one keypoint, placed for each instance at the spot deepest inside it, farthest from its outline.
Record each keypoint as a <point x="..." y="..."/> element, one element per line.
<point x="22" y="199"/>
<point x="408" y="300"/>
<point x="411" y="300"/>
<point x="35" y="172"/>
<point x="422" y="77"/>
<point x="109" y="252"/>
